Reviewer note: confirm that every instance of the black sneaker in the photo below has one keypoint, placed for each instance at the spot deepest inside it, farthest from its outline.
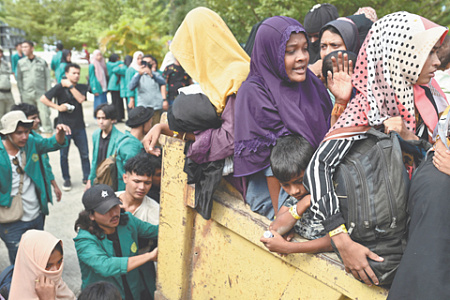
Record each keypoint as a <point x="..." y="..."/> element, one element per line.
<point x="84" y="181"/>
<point x="67" y="186"/>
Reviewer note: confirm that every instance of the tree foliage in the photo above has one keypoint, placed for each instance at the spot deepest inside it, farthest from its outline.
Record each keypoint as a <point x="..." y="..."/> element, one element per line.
<point x="130" y="25"/>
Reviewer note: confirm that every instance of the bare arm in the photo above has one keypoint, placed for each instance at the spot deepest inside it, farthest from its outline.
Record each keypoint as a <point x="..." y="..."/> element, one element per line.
<point x="60" y="108"/>
<point x="151" y="138"/>
<point x="76" y="94"/>
<point x="138" y="260"/>
<point x="278" y="244"/>
<point x="61" y="132"/>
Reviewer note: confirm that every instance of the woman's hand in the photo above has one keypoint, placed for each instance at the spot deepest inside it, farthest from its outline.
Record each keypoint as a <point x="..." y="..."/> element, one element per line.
<point x="45" y="288"/>
<point x="441" y="158"/>
<point x="340" y="81"/>
<point x="398" y="125"/>
<point x="150" y="140"/>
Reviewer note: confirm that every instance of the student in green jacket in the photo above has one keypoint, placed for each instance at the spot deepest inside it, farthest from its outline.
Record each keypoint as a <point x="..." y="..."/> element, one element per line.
<point x="131" y="71"/>
<point x="97" y="78"/>
<point x="140" y="122"/>
<point x="15" y="58"/>
<point x="32" y="113"/>
<point x="66" y="58"/>
<point x="105" y="139"/>
<point x="107" y="245"/>
<point x="20" y="162"/>
<point x="56" y="59"/>
<point x="116" y="71"/>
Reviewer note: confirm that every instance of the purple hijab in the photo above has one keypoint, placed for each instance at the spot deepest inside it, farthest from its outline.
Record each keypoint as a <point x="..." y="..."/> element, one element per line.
<point x="269" y="105"/>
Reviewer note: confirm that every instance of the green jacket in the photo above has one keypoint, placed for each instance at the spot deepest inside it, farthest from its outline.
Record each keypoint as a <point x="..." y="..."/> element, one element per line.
<point x="33" y="148"/>
<point x="14" y="60"/>
<point x="98" y="261"/>
<point x="46" y="163"/>
<point x="96" y="87"/>
<point x="56" y="60"/>
<point x="129" y="146"/>
<point x="60" y="72"/>
<point x="33" y="78"/>
<point x="116" y="135"/>
<point x="116" y="72"/>
<point x="130" y="93"/>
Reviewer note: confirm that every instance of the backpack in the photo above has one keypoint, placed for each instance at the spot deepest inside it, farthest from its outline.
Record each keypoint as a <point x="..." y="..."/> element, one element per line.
<point x="372" y="185"/>
<point x="107" y="172"/>
<point x="5" y="281"/>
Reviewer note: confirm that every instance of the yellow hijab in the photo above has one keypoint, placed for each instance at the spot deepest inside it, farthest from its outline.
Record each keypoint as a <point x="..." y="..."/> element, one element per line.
<point x="210" y="54"/>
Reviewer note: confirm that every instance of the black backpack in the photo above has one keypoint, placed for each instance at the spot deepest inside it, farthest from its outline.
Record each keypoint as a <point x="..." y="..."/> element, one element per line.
<point x="372" y="185"/>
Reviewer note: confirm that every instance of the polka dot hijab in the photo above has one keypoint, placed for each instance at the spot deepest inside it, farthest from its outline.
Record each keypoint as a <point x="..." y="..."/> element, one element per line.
<point x="388" y="66"/>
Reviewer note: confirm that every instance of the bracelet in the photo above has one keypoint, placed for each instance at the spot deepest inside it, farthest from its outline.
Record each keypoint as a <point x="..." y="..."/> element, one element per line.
<point x="338" y="109"/>
<point x="293" y="211"/>
<point x="338" y="230"/>
<point x="184" y="135"/>
<point x="175" y="133"/>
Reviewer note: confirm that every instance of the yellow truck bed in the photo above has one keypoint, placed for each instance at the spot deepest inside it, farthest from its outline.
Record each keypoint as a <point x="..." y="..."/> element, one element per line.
<point x="223" y="258"/>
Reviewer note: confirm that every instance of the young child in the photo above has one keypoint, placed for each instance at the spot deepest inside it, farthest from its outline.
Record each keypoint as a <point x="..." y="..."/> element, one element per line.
<point x="289" y="159"/>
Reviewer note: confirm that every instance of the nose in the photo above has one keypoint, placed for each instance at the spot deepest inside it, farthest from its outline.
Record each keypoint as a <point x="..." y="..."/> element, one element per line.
<point x="436" y="61"/>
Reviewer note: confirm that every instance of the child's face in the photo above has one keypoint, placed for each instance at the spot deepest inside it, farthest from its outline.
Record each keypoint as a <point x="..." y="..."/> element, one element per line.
<point x="294" y="187"/>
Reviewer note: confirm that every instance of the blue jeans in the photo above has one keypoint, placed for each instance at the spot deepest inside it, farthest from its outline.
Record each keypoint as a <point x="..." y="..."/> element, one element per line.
<point x="100" y="99"/>
<point x="80" y="139"/>
<point x="11" y="233"/>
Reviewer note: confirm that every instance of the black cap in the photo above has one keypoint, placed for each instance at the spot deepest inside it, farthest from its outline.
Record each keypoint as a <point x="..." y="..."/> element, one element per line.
<point x="138" y="116"/>
<point x="100" y="198"/>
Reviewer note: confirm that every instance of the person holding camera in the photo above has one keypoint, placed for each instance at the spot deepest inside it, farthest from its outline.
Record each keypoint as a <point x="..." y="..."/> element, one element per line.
<point x="70" y="95"/>
<point x="151" y="88"/>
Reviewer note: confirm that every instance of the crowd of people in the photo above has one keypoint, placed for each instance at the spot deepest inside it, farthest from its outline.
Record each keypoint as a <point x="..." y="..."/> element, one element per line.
<point x="278" y="120"/>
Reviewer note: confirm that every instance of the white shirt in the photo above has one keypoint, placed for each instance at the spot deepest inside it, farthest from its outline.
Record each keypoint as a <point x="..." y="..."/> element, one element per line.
<point x="30" y="200"/>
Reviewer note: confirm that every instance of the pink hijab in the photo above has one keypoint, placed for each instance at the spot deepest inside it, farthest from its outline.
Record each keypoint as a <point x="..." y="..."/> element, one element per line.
<point x="100" y="69"/>
<point x="35" y="249"/>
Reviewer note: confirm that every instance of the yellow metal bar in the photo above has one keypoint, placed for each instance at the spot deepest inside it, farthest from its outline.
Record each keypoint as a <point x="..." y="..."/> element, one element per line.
<point x="222" y="258"/>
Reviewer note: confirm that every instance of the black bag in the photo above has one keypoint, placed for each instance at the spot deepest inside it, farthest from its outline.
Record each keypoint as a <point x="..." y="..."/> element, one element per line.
<point x="372" y="184"/>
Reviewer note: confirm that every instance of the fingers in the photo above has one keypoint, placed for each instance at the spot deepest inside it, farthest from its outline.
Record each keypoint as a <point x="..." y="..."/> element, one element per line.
<point x="330" y="78"/>
<point x="335" y="64"/>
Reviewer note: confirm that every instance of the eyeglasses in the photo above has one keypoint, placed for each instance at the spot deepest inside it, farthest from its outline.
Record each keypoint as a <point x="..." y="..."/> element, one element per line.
<point x="15" y="162"/>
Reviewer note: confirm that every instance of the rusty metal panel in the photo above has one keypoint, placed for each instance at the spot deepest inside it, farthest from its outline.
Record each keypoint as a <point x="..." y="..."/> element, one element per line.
<point x="175" y="225"/>
<point x="223" y="259"/>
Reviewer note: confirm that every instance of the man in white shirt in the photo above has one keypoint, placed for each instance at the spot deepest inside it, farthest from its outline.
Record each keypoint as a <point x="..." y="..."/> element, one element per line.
<point x="20" y="161"/>
<point x="138" y="181"/>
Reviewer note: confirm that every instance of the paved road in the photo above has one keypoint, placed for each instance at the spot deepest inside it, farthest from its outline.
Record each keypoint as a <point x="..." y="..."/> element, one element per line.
<point x="63" y="214"/>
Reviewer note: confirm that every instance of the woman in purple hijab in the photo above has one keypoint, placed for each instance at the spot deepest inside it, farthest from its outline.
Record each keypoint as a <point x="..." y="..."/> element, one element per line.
<point x="281" y="96"/>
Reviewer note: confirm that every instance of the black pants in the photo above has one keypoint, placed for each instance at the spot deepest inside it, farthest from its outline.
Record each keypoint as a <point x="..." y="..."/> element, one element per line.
<point x="117" y="101"/>
<point x="425" y="265"/>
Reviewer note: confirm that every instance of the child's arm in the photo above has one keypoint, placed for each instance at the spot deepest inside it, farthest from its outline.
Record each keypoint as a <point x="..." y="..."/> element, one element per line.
<point x="278" y="244"/>
<point x="285" y="221"/>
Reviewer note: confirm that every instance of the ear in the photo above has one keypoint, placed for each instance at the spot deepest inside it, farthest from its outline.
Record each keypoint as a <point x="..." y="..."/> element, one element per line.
<point x="91" y="216"/>
<point x="125" y="177"/>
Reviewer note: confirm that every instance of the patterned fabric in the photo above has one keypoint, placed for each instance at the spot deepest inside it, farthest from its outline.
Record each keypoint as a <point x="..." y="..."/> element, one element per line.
<point x="388" y="66"/>
<point x="307" y="226"/>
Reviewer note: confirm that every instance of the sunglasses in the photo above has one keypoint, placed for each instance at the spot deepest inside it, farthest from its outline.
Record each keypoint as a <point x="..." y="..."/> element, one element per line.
<point x="15" y="162"/>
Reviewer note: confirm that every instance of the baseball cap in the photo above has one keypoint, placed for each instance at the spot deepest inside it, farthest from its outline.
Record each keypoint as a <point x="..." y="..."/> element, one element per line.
<point x="11" y="120"/>
<point x="100" y="198"/>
